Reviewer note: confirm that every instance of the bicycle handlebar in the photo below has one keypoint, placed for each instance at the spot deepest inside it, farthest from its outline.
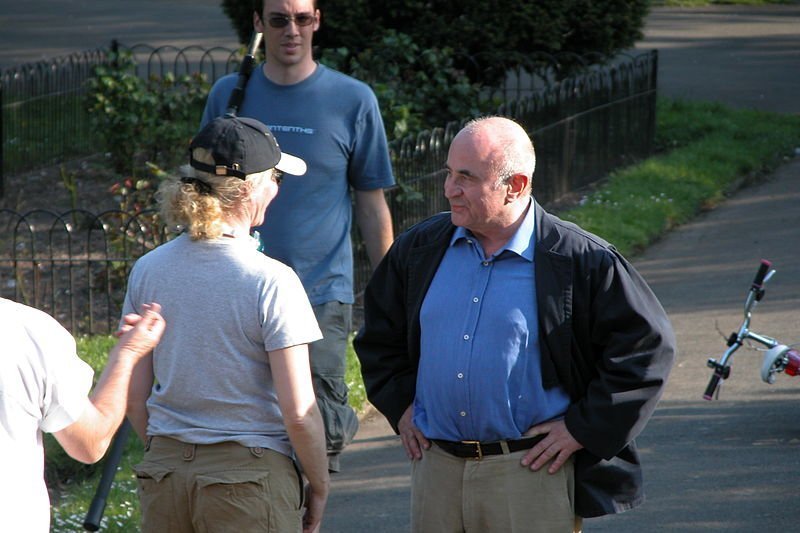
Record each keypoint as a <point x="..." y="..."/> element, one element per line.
<point x="722" y="368"/>
<point x="758" y="281"/>
<point x="713" y="383"/>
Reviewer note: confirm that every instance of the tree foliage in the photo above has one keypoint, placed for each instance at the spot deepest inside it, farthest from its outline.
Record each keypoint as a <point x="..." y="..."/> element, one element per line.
<point x="415" y="87"/>
<point x="485" y="36"/>
<point x="240" y="13"/>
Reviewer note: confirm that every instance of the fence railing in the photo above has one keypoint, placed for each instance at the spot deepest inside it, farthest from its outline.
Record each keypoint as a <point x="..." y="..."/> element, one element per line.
<point x="43" y="116"/>
<point x="74" y="265"/>
<point x="583" y="126"/>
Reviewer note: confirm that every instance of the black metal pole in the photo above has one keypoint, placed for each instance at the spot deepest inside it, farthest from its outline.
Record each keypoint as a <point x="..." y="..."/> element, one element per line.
<point x="115" y="53"/>
<point x="98" y="506"/>
<point x="2" y="143"/>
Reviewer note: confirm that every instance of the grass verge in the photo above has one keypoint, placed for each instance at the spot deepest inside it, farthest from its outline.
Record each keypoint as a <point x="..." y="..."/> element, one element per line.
<point x="705" y="152"/>
<point x="710" y="150"/>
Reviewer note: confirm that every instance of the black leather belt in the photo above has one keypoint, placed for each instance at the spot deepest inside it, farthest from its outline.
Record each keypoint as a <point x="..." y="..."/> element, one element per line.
<point x="472" y="449"/>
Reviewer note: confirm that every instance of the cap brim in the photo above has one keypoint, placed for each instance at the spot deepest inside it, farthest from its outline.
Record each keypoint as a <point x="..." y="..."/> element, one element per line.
<point x="291" y="165"/>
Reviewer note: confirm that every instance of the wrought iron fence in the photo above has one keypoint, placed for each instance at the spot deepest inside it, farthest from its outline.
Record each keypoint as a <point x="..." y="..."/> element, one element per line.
<point x="212" y="62"/>
<point x="74" y="265"/>
<point x="583" y="126"/>
<point x="43" y="116"/>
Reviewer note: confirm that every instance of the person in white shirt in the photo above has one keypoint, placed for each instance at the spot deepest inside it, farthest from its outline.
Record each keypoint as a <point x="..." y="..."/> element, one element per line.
<point x="44" y="388"/>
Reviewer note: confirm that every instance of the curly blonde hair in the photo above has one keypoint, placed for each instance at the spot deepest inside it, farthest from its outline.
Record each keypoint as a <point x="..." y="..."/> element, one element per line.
<point x="203" y="209"/>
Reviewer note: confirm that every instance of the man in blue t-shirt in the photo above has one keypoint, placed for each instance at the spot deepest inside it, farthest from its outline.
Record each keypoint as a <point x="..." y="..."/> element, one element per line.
<point x="333" y="122"/>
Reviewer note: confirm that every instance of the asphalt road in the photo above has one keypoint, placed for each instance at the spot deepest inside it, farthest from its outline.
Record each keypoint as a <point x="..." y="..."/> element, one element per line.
<point x="42" y="29"/>
<point x="730" y="464"/>
<point x="743" y="56"/>
<point x="726" y="465"/>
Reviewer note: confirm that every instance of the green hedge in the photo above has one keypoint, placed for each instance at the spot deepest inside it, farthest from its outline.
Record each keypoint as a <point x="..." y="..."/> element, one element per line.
<point x="490" y="33"/>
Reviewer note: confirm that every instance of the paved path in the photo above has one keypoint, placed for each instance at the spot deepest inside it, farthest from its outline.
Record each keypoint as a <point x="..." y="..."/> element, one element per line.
<point x="730" y="464"/>
<point x="743" y="56"/>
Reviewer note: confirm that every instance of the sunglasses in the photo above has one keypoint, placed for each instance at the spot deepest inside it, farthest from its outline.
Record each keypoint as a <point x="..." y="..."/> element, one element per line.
<point x="277" y="176"/>
<point x="281" y="21"/>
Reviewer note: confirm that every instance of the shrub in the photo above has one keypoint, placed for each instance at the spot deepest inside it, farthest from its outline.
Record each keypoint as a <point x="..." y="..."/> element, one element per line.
<point x="604" y="27"/>
<point x="415" y="87"/>
<point x="138" y="120"/>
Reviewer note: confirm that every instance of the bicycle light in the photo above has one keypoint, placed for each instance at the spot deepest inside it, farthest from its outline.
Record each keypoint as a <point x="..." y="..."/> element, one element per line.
<point x="778" y="359"/>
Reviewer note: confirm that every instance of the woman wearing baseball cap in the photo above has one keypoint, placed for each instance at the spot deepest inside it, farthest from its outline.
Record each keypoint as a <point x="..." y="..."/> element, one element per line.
<point x="225" y="404"/>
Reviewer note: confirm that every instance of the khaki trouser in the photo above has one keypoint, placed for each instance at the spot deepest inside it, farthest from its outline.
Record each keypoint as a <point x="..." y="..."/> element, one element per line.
<point x="495" y="494"/>
<point x="186" y="488"/>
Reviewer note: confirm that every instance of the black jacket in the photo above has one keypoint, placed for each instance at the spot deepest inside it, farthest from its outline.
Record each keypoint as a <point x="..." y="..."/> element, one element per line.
<point x="604" y="337"/>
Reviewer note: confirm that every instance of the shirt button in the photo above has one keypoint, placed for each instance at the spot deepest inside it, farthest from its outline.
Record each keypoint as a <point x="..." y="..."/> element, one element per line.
<point x="476" y="299"/>
<point x="462" y="413"/>
<point x="460" y="375"/>
<point x="486" y="263"/>
<point x="466" y="337"/>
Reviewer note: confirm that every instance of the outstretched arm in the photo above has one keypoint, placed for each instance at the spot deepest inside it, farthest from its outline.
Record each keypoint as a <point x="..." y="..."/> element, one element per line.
<point x="88" y="438"/>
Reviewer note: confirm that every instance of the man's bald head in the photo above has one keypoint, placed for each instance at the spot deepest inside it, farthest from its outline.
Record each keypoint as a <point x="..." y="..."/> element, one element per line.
<point x="510" y="149"/>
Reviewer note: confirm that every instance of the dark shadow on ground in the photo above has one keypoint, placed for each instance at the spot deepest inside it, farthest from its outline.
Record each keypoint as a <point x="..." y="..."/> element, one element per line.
<point x="720" y="466"/>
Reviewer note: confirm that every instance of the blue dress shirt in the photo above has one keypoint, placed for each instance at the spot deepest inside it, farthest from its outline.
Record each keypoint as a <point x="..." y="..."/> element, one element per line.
<point x="480" y="372"/>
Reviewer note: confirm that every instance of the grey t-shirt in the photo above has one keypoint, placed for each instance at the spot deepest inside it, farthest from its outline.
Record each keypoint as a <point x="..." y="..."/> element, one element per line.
<point x="226" y="305"/>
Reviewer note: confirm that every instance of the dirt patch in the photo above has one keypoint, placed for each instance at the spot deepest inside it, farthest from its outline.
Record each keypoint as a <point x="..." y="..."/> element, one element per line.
<point x="64" y="246"/>
<point x="78" y="184"/>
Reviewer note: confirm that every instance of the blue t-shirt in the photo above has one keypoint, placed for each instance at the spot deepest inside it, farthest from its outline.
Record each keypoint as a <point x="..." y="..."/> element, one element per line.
<point x="333" y="122"/>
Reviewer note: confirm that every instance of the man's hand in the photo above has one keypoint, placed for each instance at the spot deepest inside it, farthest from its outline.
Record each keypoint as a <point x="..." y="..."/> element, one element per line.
<point x="88" y="438"/>
<point x="557" y="446"/>
<point x="140" y="333"/>
<point x="315" y="505"/>
<point x="413" y="439"/>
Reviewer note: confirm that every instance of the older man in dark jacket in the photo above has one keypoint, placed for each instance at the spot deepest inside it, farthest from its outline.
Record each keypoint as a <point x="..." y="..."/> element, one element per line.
<point x="528" y="291"/>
